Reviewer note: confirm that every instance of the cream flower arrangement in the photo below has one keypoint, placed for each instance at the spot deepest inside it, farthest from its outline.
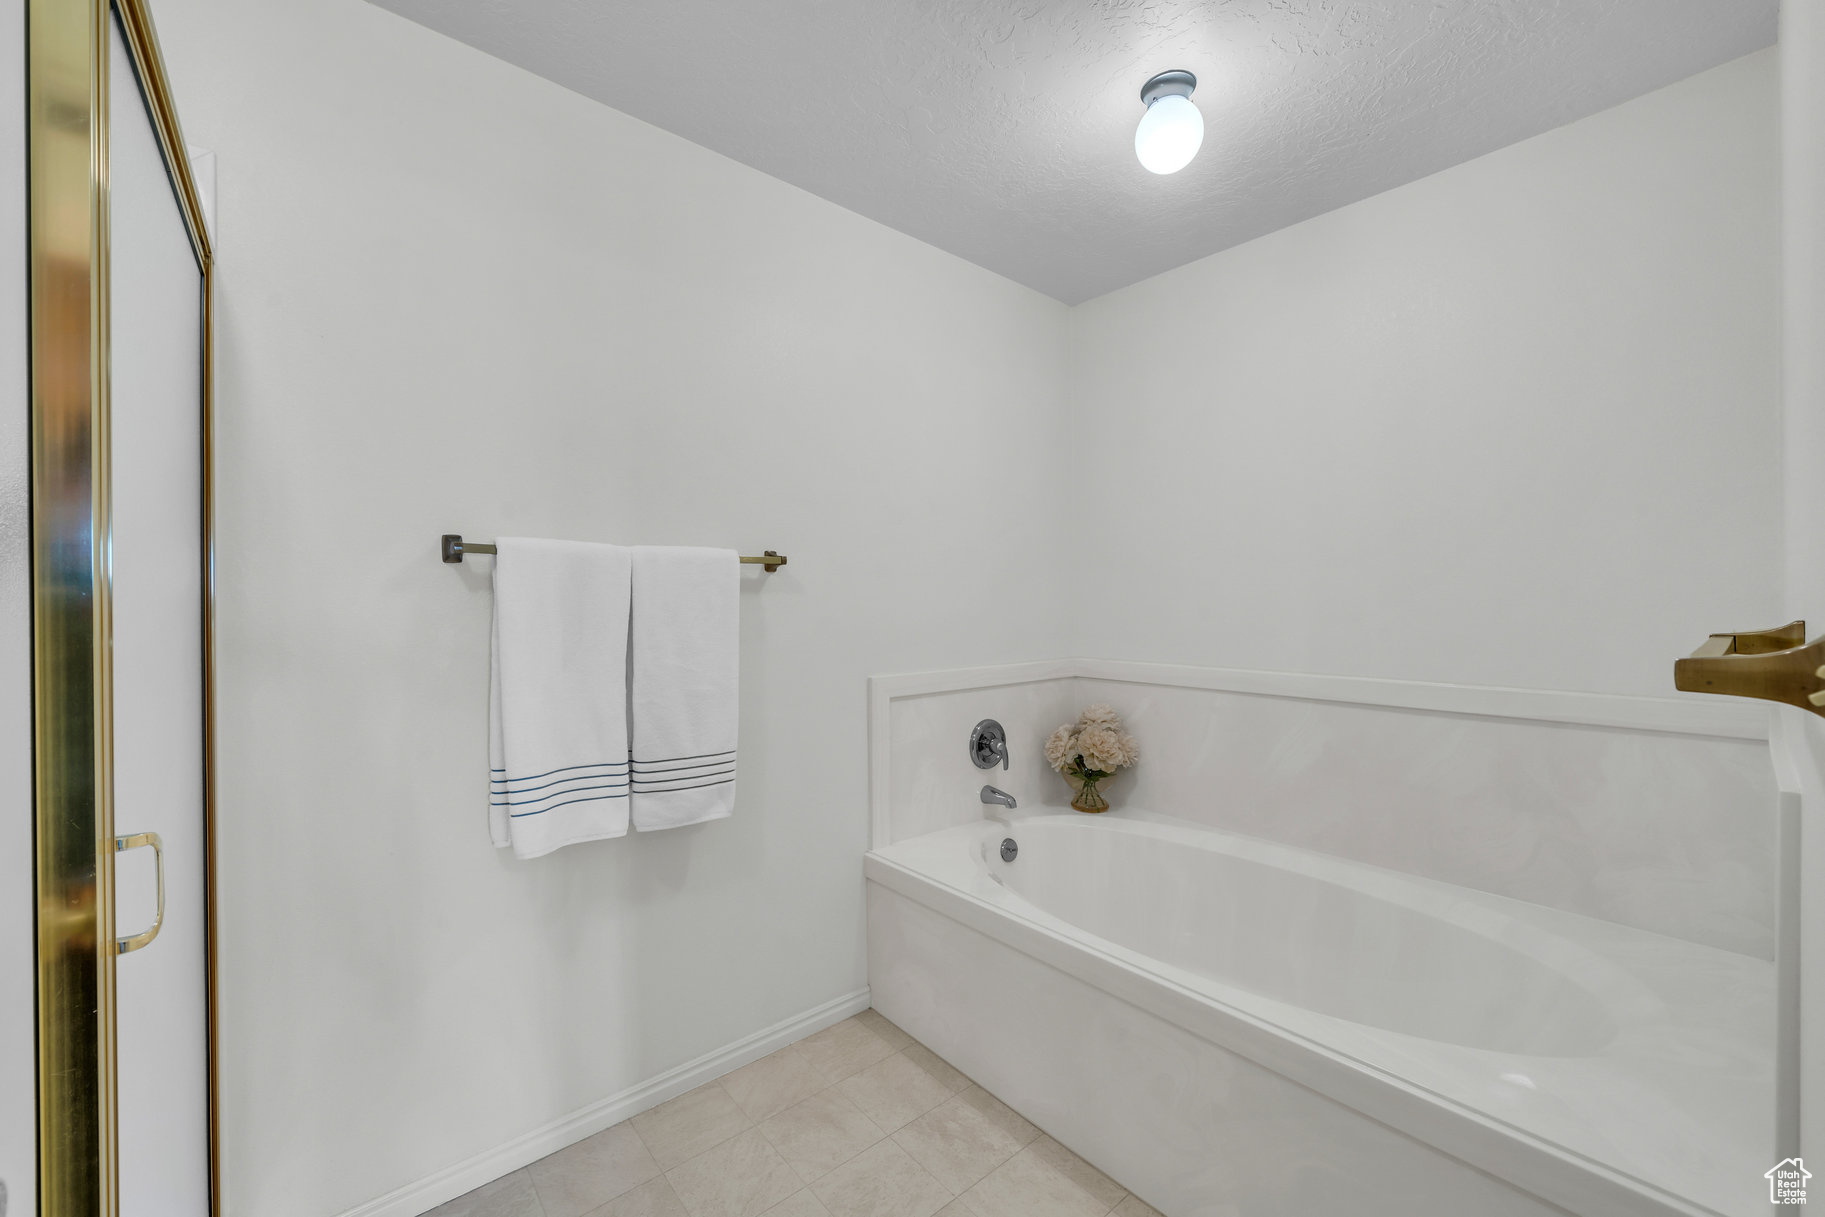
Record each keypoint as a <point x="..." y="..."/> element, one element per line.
<point x="1089" y="751"/>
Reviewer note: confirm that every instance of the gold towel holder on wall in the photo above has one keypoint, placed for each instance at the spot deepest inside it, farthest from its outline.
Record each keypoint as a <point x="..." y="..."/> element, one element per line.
<point x="1773" y="665"/>
<point x="454" y="547"/>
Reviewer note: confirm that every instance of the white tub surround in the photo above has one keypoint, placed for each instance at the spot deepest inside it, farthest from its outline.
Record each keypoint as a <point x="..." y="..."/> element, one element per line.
<point x="1657" y="813"/>
<point x="918" y="779"/>
<point x="1325" y="1018"/>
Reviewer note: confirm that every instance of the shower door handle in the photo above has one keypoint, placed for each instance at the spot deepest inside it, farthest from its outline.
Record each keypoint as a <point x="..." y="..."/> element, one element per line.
<point x="134" y="942"/>
<point x="1773" y="665"/>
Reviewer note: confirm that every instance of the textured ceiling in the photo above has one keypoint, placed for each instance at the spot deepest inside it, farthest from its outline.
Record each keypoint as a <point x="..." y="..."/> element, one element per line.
<point x="1002" y="130"/>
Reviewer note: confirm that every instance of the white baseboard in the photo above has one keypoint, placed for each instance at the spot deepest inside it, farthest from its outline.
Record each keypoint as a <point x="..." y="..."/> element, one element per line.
<point x="427" y="1193"/>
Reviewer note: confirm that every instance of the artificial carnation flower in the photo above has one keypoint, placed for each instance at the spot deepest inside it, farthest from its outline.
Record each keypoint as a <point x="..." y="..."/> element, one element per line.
<point x="1103" y="748"/>
<point x="1095" y="743"/>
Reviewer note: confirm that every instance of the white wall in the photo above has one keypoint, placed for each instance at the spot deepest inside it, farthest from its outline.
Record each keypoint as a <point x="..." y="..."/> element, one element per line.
<point x="1513" y="424"/>
<point x="454" y="297"/>
<point x="18" y="1060"/>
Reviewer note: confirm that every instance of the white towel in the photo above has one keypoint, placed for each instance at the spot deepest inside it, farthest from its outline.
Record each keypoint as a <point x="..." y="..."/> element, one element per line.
<point x="686" y="669"/>
<point x="557" y="712"/>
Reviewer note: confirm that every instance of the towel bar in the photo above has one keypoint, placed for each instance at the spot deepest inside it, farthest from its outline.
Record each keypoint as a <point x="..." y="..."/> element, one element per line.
<point x="454" y="547"/>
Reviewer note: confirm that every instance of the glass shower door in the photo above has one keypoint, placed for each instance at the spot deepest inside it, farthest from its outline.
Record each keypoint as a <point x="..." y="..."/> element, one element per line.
<point x="156" y="392"/>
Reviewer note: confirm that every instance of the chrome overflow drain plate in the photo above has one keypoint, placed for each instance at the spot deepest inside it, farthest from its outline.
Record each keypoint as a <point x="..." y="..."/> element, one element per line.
<point x="1008" y="849"/>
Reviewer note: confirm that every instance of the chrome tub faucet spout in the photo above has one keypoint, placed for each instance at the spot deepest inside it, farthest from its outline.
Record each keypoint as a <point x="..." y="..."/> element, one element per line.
<point x="1000" y="797"/>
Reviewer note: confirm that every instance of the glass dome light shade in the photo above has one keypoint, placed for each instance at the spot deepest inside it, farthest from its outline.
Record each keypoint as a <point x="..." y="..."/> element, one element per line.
<point x="1169" y="134"/>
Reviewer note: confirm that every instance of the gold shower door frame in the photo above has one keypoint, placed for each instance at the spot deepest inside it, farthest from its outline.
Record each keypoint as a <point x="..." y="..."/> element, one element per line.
<point x="67" y="60"/>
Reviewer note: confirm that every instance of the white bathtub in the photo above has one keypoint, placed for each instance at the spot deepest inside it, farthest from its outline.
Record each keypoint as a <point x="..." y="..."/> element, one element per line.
<point x="1229" y="1026"/>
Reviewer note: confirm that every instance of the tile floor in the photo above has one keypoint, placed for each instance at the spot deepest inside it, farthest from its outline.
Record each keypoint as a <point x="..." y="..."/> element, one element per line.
<point x="858" y="1120"/>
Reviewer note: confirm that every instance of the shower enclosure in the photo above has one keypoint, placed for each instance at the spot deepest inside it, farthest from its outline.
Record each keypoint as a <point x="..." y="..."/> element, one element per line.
<point x="113" y="620"/>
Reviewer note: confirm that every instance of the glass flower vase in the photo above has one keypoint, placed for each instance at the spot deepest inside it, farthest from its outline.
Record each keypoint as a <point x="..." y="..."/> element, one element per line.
<point x="1089" y="797"/>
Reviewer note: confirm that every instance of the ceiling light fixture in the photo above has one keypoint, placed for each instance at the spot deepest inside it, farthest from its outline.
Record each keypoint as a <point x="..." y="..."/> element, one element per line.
<point x="1172" y="128"/>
